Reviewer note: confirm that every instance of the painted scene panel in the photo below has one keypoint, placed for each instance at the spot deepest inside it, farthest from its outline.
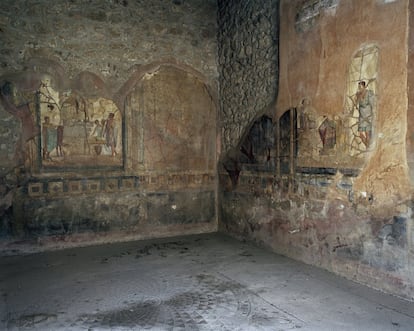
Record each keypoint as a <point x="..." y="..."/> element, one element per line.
<point x="78" y="132"/>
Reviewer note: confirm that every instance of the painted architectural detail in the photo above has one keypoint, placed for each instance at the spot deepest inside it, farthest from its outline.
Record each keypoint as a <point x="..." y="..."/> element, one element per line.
<point x="35" y="189"/>
<point x="287" y="141"/>
<point x="55" y="187"/>
<point x="75" y="187"/>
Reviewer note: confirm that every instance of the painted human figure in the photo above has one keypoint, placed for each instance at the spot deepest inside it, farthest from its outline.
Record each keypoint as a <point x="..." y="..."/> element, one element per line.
<point x="327" y="132"/>
<point x="110" y="133"/>
<point x="49" y="138"/>
<point x="309" y="140"/>
<point x="365" y="104"/>
<point x="59" y="140"/>
<point x="306" y="116"/>
<point x="97" y="133"/>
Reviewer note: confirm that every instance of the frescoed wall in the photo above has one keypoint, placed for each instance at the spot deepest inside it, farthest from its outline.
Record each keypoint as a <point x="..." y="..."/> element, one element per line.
<point x="340" y="197"/>
<point x="108" y="120"/>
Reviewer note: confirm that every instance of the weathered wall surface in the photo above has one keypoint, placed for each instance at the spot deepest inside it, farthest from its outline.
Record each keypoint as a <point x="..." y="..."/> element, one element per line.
<point x="410" y="109"/>
<point x="248" y="63"/>
<point x="109" y="38"/>
<point x="316" y="67"/>
<point x="10" y="128"/>
<point x="344" y="202"/>
<point x="108" y="119"/>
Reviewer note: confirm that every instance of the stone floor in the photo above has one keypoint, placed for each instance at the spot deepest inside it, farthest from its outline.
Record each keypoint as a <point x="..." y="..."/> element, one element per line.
<point x="204" y="282"/>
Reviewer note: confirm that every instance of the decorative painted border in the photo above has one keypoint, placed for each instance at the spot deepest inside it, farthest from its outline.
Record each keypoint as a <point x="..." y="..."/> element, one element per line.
<point x="50" y="187"/>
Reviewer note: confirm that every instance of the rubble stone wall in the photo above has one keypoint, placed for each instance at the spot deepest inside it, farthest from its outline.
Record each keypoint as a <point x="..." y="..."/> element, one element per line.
<point x="248" y="63"/>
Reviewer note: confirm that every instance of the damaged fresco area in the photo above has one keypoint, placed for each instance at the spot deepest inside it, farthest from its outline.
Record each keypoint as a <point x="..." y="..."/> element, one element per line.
<point x="305" y="140"/>
<point x="174" y="119"/>
<point x="311" y="214"/>
<point x="78" y="132"/>
<point x="333" y="234"/>
<point x="72" y="127"/>
<point x="74" y="131"/>
<point x="255" y="153"/>
<point x="349" y="135"/>
<point x="74" y="174"/>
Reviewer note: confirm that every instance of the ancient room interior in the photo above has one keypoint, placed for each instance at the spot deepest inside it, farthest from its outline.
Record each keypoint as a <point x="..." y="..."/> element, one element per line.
<point x="206" y="165"/>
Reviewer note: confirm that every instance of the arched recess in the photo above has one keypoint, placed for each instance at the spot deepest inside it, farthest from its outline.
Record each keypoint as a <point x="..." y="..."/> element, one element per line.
<point x="267" y="147"/>
<point x="255" y="153"/>
<point x="172" y="122"/>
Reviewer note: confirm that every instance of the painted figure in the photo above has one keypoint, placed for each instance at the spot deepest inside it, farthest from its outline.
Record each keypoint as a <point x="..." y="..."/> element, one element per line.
<point x="59" y="140"/>
<point x="110" y="133"/>
<point x="306" y="116"/>
<point x="365" y="104"/>
<point x="327" y="132"/>
<point x="97" y="133"/>
<point x="309" y="140"/>
<point x="98" y="130"/>
<point x="49" y="138"/>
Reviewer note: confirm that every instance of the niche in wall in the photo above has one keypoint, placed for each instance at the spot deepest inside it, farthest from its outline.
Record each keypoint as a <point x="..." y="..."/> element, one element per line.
<point x="172" y="123"/>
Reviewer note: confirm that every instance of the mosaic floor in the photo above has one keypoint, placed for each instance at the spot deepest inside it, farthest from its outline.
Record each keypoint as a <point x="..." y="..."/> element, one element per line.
<point x="206" y="282"/>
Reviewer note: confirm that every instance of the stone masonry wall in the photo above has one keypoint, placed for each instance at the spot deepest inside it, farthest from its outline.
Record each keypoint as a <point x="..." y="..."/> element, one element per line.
<point x="248" y="63"/>
<point x="109" y="38"/>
